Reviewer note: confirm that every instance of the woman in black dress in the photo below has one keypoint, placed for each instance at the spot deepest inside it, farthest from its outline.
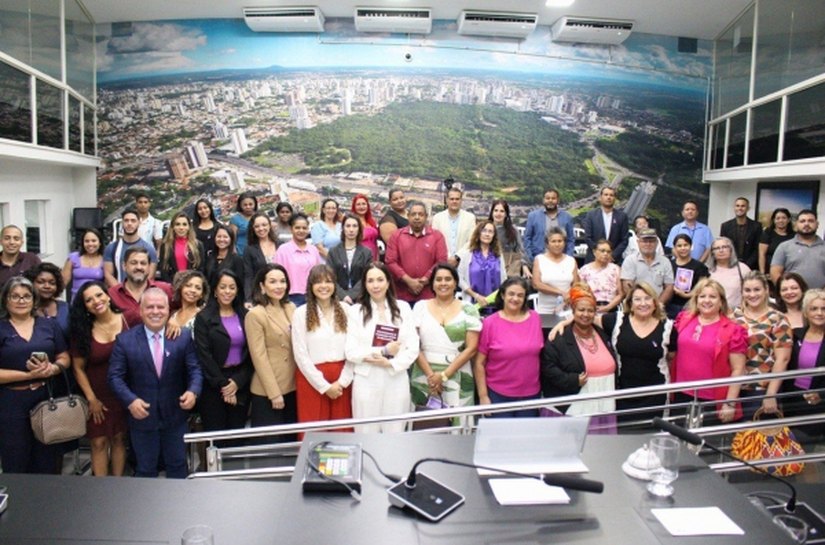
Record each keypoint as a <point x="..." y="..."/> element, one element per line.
<point x="686" y="274"/>
<point x="224" y="257"/>
<point x="780" y="230"/>
<point x="205" y="224"/>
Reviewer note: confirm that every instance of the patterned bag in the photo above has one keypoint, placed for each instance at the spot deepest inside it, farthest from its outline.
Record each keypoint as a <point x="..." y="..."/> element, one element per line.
<point x="764" y="443"/>
<point x="61" y="419"/>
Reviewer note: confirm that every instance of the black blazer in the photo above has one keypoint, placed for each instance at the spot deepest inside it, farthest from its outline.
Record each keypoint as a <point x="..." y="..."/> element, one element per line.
<point x="212" y="344"/>
<point x="562" y="363"/>
<point x="348" y="278"/>
<point x="168" y="265"/>
<point x="253" y="261"/>
<point x="232" y="262"/>
<point x="753" y="232"/>
<point x="793" y="364"/>
<point x="593" y="225"/>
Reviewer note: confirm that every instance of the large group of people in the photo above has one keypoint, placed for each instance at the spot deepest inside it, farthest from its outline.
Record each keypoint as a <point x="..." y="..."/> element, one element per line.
<point x="266" y="321"/>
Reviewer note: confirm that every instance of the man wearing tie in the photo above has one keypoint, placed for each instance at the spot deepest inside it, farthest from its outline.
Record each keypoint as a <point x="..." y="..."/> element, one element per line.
<point x="605" y="222"/>
<point x="158" y="380"/>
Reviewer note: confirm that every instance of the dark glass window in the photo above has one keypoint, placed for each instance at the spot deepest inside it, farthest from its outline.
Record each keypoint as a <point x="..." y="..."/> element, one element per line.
<point x="805" y="124"/>
<point x="15" y="105"/>
<point x="736" y="141"/>
<point x="764" y="141"/>
<point x="49" y="115"/>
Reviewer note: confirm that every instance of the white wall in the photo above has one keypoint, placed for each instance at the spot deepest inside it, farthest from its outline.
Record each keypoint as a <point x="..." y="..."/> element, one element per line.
<point x="62" y="185"/>
<point x="726" y="187"/>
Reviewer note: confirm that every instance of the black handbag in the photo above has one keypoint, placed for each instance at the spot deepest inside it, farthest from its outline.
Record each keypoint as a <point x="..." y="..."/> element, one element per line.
<point x="60" y="419"/>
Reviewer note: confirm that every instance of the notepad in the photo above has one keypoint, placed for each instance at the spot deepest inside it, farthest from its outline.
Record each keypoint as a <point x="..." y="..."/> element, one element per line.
<point x="527" y="492"/>
<point x="697" y="521"/>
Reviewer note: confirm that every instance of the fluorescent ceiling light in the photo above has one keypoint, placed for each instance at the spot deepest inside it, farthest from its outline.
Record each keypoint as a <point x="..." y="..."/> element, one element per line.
<point x="559" y="3"/>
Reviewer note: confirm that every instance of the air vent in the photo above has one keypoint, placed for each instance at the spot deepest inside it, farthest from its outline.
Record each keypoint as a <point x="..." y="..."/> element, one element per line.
<point x="289" y="19"/>
<point x="394" y="20"/>
<point x="501" y="24"/>
<point x="590" y="30"/>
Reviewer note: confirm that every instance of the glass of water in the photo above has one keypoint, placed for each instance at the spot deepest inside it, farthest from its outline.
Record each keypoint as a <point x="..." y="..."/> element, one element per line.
<point x="664" y="449"/>
<point x="794" y="526"/>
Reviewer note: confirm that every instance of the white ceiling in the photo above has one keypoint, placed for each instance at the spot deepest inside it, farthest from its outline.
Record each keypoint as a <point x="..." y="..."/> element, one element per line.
<point x="703" y="19"/>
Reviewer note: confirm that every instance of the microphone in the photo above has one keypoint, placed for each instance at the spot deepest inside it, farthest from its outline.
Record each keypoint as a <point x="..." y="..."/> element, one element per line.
<point x="553" y="479"/>
<point x="693" y="439"/>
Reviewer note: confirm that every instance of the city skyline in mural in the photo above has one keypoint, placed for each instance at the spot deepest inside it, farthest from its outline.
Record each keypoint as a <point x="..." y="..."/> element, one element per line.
<point x="208" y="108"/>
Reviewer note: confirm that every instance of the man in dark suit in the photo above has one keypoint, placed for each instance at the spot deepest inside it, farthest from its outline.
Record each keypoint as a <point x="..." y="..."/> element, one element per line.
<point x="158" y="380"/>
<point x="605" y="222"/>
<point x="744" y="233"/>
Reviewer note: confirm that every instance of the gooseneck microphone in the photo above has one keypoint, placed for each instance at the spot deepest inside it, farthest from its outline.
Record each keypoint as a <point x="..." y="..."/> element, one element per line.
<point x="564" y="481"/>
<point x="690" y="437"/>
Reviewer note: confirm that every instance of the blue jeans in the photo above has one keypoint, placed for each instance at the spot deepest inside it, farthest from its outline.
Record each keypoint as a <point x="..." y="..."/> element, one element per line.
<point x="495" y="398"/>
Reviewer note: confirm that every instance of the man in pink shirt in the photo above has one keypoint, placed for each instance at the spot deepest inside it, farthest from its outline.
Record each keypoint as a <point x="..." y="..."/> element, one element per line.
<point x="412" y="252"/>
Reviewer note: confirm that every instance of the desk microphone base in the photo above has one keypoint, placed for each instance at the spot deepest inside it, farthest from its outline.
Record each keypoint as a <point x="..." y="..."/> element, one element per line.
<point x="429" y="498"/>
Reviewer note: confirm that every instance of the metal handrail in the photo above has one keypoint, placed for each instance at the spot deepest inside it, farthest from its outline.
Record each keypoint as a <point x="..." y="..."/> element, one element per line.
<point x="474" y="410"/>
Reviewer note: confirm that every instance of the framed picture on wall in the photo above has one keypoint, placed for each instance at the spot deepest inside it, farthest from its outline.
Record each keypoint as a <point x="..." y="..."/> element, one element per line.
<point x="794" y="196"/>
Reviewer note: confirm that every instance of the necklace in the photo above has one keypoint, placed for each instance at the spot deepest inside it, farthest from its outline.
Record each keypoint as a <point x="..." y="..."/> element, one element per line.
<point x="592" y="346"/>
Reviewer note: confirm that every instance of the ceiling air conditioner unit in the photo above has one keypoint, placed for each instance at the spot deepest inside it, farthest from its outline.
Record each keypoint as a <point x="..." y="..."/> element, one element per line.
<point x="586" y="30"/>
<point x="289" y="19"/>
<point x="394" y="20"/>
<point x="493" y="23"/>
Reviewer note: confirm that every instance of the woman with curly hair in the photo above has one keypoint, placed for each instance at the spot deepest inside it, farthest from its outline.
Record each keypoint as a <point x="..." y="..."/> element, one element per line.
<point x="481" y="268"/>
<point x="319" y="334"/>
<point x="96" y="322"/>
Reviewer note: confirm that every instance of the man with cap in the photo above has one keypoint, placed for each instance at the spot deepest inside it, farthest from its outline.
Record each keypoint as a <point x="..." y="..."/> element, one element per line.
<point x="646" y="266"/>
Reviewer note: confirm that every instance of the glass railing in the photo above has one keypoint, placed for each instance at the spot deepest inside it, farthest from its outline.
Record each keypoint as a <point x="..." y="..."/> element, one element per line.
<point x="275" y="459"/>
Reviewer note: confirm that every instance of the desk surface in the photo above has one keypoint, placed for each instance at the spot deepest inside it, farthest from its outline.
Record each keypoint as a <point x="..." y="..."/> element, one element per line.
<point x="80" y="510"/>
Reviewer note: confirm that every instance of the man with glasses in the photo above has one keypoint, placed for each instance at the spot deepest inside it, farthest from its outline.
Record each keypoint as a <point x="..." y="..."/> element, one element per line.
<point x="804" y="254"/>
<point x="646" y="266"/>
<point x="698" y="232"/>
<point x="12" y="261"/>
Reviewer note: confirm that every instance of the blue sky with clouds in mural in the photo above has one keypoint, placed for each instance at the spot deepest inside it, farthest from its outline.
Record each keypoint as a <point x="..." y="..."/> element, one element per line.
<point x="144" y="49"/>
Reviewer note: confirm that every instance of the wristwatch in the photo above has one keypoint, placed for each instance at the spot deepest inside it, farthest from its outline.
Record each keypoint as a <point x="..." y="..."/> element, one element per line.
<point x="444" y="377"/>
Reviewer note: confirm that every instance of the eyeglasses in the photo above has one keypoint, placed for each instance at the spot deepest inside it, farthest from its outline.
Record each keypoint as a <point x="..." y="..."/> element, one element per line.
<point x="718" y="248"/>
<point x="14" y="298"/>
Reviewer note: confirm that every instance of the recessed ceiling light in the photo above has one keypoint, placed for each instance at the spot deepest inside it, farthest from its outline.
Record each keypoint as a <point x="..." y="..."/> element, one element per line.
<point x="559" y="3"/>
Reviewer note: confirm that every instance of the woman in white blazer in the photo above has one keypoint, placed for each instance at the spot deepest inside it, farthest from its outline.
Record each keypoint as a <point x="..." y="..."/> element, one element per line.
<point x="381" y="344"/>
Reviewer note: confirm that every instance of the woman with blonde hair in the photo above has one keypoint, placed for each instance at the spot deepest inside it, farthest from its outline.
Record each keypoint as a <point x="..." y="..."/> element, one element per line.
<point x="709" y="345"/>
<point x="769" y="342"/>
<point x="180" y="249"/>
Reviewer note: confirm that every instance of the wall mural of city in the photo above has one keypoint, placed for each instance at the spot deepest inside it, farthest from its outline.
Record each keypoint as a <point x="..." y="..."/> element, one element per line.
<point x="209" y="108"/>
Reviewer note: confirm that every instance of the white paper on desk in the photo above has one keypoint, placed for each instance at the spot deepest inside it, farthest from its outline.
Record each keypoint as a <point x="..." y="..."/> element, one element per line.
<point x="697" y="521"/>
<point x="527" y="492"/>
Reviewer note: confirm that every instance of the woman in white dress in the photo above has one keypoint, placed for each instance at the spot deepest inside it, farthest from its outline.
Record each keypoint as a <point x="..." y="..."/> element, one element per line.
<point x="553" y="273"/>
<point x="381" y="345"/>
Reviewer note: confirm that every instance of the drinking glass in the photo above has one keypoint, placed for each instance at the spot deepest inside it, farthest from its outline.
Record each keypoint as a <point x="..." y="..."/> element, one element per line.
<point x="794" y="526"/>
<point x="665" y="450"/>
<point x="197" y="535"/>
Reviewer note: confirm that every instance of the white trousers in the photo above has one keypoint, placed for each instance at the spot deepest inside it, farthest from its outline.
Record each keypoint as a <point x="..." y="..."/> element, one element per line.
<point x="380" y="394"/>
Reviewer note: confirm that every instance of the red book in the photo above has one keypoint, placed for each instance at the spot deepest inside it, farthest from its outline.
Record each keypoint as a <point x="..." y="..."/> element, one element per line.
<point x="384" y="335"/>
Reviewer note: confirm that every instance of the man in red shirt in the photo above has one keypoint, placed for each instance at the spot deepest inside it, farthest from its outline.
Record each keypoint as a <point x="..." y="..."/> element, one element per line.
<point x="412" y="252"/>
<point x="126" y="295"/>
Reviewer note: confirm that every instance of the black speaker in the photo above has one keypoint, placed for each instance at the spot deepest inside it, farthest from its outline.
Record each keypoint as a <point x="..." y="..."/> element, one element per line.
<point x="688" y="45"/>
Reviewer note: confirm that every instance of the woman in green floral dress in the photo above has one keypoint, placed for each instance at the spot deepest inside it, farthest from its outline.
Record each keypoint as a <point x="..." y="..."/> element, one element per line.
<point x="449" y="330"/>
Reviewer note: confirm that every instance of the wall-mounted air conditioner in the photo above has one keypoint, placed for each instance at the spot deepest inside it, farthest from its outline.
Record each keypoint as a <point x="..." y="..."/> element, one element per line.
<point x="288" y="19"/>
<point x="494" y="23"/>
<point x="394" y="20"/>
<point x="587" y="30"/>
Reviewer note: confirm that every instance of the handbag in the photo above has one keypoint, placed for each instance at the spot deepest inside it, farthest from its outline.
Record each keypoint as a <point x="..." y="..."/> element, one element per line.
<point x="433" y="403"/>
<point x="765" y="443"/>
<point x="57" y="420"/>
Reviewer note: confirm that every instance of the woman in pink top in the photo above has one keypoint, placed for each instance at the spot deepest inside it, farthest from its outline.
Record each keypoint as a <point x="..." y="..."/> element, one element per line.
<point x="709" y="345"/>
<point x="581" y="360"/>
<point x="506" y="367"/>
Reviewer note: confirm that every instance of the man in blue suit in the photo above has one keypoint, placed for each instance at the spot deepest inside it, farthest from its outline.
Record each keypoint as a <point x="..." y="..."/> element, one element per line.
<point x="158" y="380"/>
<point x="540" y="221"/>
<point x="606" y="222"/>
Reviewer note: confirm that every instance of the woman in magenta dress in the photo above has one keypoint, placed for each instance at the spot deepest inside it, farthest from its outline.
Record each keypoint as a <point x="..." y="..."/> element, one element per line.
<point x="96" y="321"/>
<point x="361" y="208"/>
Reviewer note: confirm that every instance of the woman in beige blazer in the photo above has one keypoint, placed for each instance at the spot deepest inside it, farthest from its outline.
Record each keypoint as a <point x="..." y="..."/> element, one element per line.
<point x="270" y="346"/>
